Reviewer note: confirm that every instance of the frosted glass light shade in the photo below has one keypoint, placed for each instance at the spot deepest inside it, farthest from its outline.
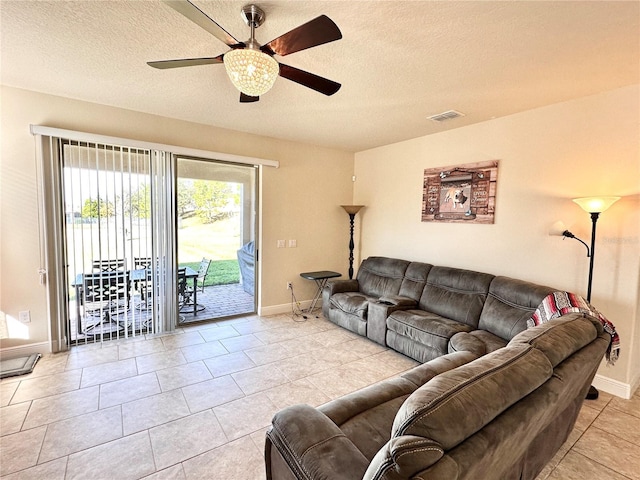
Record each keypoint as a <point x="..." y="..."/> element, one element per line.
<point x="595" y="204"/>
<point x="251" y="71"/>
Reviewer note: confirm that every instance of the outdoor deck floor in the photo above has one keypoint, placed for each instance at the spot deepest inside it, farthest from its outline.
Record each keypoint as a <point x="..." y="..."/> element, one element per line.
<point x="220" y="301"/>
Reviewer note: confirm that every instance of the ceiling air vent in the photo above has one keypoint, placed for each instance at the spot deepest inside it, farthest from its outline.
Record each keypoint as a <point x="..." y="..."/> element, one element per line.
<point x="448" y="115"/>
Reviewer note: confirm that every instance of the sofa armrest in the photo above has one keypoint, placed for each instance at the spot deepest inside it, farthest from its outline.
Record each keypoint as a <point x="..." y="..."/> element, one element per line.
<point x="336" y="286"/>
<point x="312" y="446"/>
<point x="404" y="457"/>
<point x="398" y="301"/>
<point x="340" y="286"/>
<point x="377" y="313"/>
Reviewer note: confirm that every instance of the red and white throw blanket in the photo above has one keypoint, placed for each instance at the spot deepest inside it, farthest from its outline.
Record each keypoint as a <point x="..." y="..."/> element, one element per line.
<point x="557" y="304"/>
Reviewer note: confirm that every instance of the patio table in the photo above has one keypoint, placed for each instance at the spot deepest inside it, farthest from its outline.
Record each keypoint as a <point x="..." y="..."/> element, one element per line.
<point x="136" y="275"/>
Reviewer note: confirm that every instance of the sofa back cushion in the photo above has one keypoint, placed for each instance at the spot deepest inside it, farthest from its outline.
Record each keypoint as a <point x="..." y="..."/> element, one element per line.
<point x="458" y="403"/>
<point x="378" y="276"/>
<point x="415" y="278"/>
<point x="509" y="305"/>
<point x="560" y="338"/>
<point x="456" y="294"/>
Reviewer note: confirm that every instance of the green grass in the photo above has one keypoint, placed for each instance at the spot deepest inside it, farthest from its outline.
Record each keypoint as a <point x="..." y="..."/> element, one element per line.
<point x="221" y="272"/>
<point x="218" y="240"/>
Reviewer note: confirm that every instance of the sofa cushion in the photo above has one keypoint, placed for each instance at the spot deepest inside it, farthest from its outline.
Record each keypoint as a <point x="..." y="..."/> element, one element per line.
<point x="415" y="278"/>
<point x="365" y="417"/>
<point x="378" y="276"/>
<point x="478" y="392"/>
<point x="426" y="328"/>
<point x="354" y="303"/>
<point x="562" y="337"/>
<point x="455" y="293"/>
<point x="509" y="305"/>
<point x="411" y="348"/>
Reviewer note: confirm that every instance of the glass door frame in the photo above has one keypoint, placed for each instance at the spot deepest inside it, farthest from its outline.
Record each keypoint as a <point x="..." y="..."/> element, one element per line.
<point x="251" y="227"/>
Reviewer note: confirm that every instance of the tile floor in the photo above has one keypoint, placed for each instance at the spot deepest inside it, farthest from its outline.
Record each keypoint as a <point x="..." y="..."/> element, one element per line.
<point x="196" y="404"/>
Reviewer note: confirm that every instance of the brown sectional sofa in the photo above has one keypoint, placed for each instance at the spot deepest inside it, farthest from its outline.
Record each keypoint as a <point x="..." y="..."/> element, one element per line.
<point x="494" y="399"/>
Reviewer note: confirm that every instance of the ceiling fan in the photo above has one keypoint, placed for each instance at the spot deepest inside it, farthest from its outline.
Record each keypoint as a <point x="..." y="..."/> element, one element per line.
<point x="251" y="66"/>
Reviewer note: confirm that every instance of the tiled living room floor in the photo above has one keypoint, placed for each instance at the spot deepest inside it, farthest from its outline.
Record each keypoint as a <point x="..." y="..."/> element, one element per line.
<point x="196" y="404"/>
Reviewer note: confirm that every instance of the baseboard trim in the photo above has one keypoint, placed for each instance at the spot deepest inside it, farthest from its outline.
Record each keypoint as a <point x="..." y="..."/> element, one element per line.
<point x="8" y="352"/>
<point x="283" y="308"/>
<point x="614" y="387"/>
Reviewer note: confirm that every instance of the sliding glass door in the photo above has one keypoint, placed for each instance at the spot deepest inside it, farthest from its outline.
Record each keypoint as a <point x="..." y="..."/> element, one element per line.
<point x="113" y="215"/>
<point x="216" y="225"/>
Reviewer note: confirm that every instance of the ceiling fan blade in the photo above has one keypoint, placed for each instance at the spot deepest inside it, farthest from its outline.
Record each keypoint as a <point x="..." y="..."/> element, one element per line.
<point x="248" y="98"/>
<point x="314" y="82"/>
<point x="318" y="31"/>
<point x="185" y="62"/>
<point x="201" y="19"/>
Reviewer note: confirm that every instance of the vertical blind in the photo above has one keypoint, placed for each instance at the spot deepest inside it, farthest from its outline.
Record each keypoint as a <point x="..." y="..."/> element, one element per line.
<point x="111" y="237"/>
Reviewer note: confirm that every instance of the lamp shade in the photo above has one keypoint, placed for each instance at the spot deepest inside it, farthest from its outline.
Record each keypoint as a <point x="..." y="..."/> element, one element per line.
<point x="352" y="209"/>
<point x="595" y="204"/>
<point x="251" y="71"/>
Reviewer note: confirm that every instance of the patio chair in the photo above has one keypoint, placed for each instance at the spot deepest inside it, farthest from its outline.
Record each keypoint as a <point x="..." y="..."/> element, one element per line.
<point x="142" y="279"/>
<point x="106" y="295"/>
<point x="141" y="262"/>
<point x="185" y="292"/>
<point x="114" y="265"/>
<point x="202" y="273"/>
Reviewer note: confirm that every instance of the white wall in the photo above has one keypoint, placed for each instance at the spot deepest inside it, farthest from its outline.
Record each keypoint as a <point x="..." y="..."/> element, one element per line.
<point x="300" y="200"/>
<point x="547" y="156"/>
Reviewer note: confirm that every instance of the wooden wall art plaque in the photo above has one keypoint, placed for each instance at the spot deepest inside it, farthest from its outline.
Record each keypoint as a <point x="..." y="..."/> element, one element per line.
<point x="461" y="193"/>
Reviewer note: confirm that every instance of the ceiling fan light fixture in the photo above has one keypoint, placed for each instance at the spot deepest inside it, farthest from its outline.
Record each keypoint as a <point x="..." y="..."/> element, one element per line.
<point x="251" y="71"/>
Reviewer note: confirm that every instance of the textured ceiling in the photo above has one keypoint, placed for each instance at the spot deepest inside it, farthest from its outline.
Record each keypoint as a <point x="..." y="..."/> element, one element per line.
<point x="398" y="61"/>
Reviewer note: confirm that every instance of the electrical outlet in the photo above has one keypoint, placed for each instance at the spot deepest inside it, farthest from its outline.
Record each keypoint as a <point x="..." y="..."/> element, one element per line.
<point x="281" y="244"/>
<point x="289" y="286"/>
<point x="25" y="316"/>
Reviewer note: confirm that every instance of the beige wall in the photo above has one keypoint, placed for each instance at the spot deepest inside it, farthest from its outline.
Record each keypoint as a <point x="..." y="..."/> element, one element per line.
<point x="300" y="200"/>
<point x="547" y="157"/>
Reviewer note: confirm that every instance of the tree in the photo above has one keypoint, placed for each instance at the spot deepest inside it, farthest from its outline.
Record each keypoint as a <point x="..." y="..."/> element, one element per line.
<point x="185" y="197"/>
<point x="138" y="204"/>
<point x="97" y="208"/>
<point x="212" y="199"/>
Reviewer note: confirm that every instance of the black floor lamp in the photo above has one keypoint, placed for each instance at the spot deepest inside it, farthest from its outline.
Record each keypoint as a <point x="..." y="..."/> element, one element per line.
<point x="594" y="206"/>
<point x="351" y="210"/>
